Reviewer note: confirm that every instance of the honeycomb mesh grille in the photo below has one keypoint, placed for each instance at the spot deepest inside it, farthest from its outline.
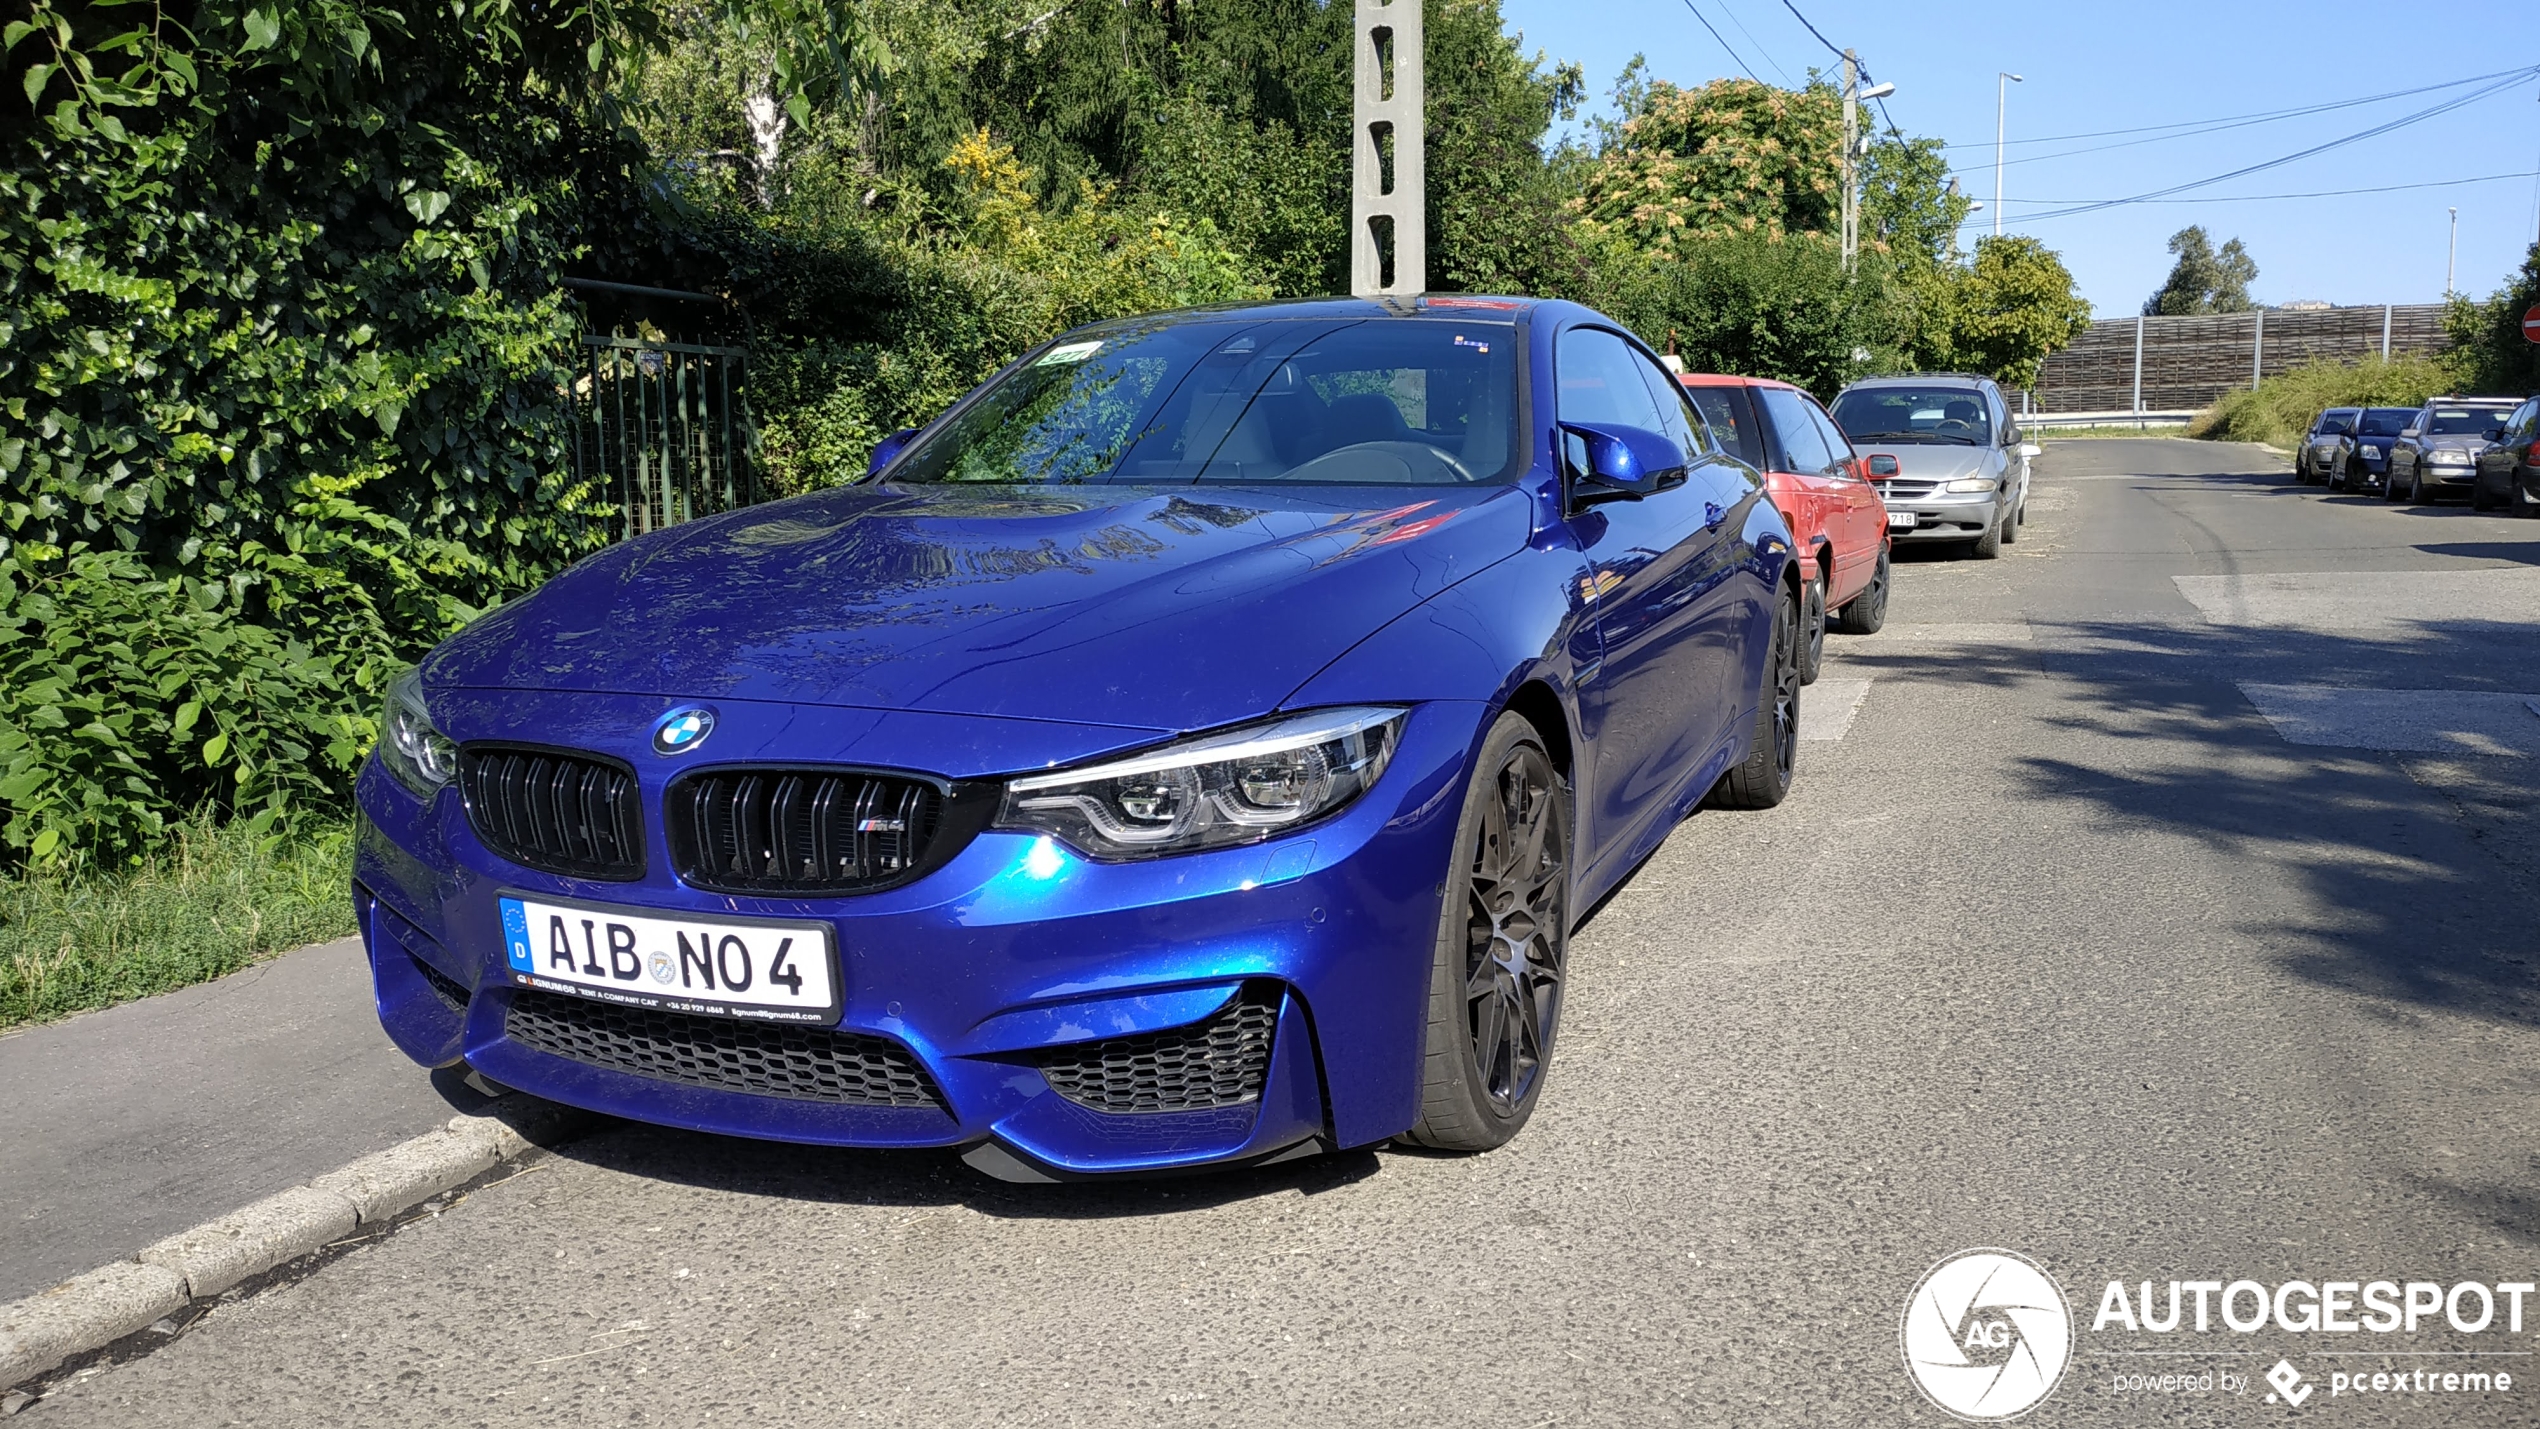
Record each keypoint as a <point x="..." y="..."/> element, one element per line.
<point x="1221" y="1062"/>
<point x="800" y="830"/>
<point x="554" y="811"/>
<point x="452" y="994"/>
<point x="812" y="1064"/>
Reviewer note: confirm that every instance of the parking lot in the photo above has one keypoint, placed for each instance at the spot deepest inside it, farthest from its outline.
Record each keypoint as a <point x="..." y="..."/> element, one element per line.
<point x="2156" y="901"/>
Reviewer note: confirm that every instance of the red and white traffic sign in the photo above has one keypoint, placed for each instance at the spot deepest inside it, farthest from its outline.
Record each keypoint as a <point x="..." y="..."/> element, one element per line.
<point x="2531" y="323"/>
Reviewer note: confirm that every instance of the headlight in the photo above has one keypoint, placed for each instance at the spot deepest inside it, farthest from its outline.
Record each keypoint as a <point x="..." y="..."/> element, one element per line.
<point x="422" y="758"/>
<point x="1239" y="787"/>
<point x="1972" y="483"/>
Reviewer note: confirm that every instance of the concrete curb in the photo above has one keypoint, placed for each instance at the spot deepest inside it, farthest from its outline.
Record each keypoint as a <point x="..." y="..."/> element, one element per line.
<point x="89" y="1312"/>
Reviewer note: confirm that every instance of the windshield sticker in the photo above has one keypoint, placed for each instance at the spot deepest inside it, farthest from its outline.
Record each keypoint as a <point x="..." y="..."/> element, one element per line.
<point x="1069" y="353"/>
<point x="1481" y="347"/>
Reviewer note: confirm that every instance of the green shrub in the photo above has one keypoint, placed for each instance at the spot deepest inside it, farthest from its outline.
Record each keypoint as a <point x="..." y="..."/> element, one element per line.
<point x="2282" y="407"/>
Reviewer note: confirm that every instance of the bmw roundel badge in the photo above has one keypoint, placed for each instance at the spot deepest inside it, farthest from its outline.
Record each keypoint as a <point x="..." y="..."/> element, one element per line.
<point x="682" y="730"/>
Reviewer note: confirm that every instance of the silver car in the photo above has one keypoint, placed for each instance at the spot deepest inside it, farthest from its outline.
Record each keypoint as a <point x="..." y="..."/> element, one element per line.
<point x="2438" y="453"/>
<point x="1946" y="456"/>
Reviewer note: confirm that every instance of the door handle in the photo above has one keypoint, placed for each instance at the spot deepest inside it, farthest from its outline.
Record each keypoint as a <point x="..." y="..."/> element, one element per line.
<point x="1712" y="515"/>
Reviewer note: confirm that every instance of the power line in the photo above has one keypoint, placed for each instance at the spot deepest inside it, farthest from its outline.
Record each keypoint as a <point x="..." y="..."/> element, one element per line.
<point x="2259" y="117"/>
<point x="1758" y="44"/>
<point x="2315" y="193"/>
<point x="1831" y="47"/>
<point x="2377" y="130"/>
<point x="2510" y="76"/>
<point x="1724" y="44"/>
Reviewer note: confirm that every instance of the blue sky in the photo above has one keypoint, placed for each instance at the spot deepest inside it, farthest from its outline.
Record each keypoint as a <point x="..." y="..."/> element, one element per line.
<point x="2098" y="67"/>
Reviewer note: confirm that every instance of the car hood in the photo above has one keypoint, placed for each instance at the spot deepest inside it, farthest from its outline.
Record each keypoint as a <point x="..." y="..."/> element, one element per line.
<point x="1134" y="607"/>
<point x="1929" y="461"/>
<point x="2472" y="445"/>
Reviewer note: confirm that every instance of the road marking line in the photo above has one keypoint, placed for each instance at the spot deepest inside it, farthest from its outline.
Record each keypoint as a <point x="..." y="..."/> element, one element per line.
<point x="2359" y="600"/>
<point x="2400" y="721"/>
<point x="1826" y="710"/>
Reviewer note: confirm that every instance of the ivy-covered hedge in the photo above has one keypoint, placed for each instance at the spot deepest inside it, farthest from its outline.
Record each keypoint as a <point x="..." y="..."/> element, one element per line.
<point x="280" y="365"/>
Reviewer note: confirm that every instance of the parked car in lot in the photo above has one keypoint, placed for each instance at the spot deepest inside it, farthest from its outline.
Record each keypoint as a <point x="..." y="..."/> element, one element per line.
<point x="2316" y="456"/>
<point x="2509" y="469"/>
<point x="2366" y="459"/>
<point x="1191" y="749"/>
<point x="1821" y="485"/>
<point x="1944" y="454"/>
<point x="2438" y="453"/>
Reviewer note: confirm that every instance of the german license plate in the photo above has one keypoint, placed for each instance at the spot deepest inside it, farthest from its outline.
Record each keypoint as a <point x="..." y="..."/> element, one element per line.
<point x="1900" y="520"/>
<point x="720" y="966"/>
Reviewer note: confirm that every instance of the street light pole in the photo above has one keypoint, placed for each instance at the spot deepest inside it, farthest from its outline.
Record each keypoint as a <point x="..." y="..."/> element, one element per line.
<point x="2002" y="82"/>
<point x="1853" y="95"/>
<point x="2452" y="255"/>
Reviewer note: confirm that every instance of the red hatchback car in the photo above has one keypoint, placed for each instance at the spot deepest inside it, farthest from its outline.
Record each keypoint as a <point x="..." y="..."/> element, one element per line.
<point x="1822" y="488"/>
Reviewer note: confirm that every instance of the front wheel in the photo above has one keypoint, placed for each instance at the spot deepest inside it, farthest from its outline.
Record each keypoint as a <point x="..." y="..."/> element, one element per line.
<point x="1502" y="949"/>
<point x="1772" y="749"/>
<point x="1865" y="613"/>
<point x="2390" y="484"/>
<point x="1989" y="545"/>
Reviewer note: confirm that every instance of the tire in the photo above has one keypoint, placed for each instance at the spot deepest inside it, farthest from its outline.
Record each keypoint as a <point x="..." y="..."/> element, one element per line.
<point x="2479" y="500"/>
<point x="1495" y="1007"/>
<point x="2011" y="523"/>
<point x="2336" y="479"/>
<point x="2519" y="498"/>
<point x="1812" y="617"/>
<point x="2389" y="486"/>
<point x="1866" y="612"/>
<point x="2416" y="484"/>
<point x="1988" y="546"/>
<point x="1772" y="747"/>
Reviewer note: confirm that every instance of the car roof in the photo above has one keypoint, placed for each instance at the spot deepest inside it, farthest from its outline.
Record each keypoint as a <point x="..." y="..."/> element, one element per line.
<point x="2477" y="401"/>
<point x="1926" y="379"/>
<point x="1724" y="379"/>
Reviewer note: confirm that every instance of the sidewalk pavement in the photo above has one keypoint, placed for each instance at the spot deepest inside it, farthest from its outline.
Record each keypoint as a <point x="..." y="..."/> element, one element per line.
<point x="134" y="1123"/>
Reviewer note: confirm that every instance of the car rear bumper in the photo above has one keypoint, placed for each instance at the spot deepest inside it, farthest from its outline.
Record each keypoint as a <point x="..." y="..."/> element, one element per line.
<point x="972" y="995"/>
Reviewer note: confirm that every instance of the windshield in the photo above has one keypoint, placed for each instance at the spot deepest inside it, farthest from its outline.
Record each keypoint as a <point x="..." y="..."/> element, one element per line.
<point x="2388" y="421"/>
<point x="1246" y="400"/>
<point x="2464" y="421"/>
<point x="1938" y="414"/>
<point x="2335" y="421"/>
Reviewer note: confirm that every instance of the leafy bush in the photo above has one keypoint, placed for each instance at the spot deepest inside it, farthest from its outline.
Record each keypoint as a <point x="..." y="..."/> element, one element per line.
<point x="2494" y="356"/>
<point x="2283" y="407"/>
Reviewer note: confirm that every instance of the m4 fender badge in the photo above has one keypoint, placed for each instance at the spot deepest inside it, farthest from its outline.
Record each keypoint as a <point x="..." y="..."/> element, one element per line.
<point x="682" y="730"/>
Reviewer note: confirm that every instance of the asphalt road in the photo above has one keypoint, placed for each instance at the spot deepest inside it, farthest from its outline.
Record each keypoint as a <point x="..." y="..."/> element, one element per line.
<point x="2065" y="945"/>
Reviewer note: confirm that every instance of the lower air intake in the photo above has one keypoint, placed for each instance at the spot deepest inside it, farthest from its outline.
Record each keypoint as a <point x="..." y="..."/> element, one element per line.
<point x="811" y="1064"/>
<point x="1221" y="1062"/>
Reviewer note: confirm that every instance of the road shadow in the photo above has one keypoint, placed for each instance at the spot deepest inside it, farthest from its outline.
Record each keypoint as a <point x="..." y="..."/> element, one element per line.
<point x="2523" y="552"/>
<point x="936" y="1176"/>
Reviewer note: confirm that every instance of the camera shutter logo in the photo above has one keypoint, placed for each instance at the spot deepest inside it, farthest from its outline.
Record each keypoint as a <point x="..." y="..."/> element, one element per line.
<point x="1987" y="1335"/>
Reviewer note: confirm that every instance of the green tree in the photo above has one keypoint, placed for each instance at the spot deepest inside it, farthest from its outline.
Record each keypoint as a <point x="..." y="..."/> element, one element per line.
<point x="1733" y="156"/>
<point x="2002" y="314"/>
<point x="2204" y="280"/>
<point x="2489" y="349"/>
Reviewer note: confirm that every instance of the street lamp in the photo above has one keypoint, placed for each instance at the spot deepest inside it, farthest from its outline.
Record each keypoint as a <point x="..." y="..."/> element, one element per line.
<point x="2002" y="82"/>
<point x="2452" y="258"/>
<point x="1853" y="147"/>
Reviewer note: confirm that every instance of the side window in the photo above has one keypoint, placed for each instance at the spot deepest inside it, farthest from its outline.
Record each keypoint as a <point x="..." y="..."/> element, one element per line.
<point x="2003" y="427"/>
<point x="1801" y="443"/>
<point x="1725" y="415"/>
<point x="2530" y="422"/>
<point x="1600" y="382"/>
<point x="1836" y="441"/>
<point x="1677" y="416"/>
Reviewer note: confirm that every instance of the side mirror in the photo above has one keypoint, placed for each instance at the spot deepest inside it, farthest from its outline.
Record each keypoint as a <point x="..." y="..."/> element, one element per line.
<point x="2495" y="434"/>
<point x="888" y="448"/>
<point x="2411" y="431"/>
<point x="1618" y="463"/>
<point x="2031" y="450"/>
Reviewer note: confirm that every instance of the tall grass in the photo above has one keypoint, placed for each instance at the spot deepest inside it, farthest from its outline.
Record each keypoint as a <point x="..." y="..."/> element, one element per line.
<point x="2282" y="407"/>
<point x="213" y="901"/>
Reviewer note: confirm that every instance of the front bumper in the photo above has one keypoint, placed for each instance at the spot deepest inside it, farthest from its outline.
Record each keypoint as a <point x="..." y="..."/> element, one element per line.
<point x="1014" y="960"/>
<point x="1946" y="518"/>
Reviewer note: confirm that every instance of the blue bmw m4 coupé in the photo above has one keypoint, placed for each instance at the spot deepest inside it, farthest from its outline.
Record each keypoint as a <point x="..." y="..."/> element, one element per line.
<point x="1192" y="748"/>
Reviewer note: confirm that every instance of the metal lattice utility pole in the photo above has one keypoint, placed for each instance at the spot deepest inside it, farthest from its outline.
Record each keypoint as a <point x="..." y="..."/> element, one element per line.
<point x="1388" y="208"/>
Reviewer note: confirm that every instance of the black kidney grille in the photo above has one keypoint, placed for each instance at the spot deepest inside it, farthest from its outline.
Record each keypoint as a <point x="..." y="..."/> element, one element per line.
<point x="1220" y="1062"/>
<point x="800" y="830"/>
<point x="811" y="1064"/>
<point x="555" y="811"/>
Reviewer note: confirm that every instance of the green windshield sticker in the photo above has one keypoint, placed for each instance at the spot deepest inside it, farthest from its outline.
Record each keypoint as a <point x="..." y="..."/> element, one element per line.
<point x="1071" y="352"/>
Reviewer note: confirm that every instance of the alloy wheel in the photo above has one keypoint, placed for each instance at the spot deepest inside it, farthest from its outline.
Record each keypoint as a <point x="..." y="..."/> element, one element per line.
<point x="1786" y="684"/>
<point x="1516" y="927"/>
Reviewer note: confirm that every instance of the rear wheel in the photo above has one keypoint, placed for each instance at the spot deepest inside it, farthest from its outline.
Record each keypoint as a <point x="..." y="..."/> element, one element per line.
<point x="1812" y="647"/>
<point x="1866" y="612"/>
<point x="1502" y="949"/>
<point x="1772" y="748"/>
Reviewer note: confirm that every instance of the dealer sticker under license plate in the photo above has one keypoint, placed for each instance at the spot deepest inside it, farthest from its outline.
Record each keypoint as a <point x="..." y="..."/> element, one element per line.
<point x="720" y="966"/>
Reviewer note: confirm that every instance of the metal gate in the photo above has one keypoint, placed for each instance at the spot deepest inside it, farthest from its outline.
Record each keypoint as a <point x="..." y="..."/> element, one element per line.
<point x="661" y="432"/>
